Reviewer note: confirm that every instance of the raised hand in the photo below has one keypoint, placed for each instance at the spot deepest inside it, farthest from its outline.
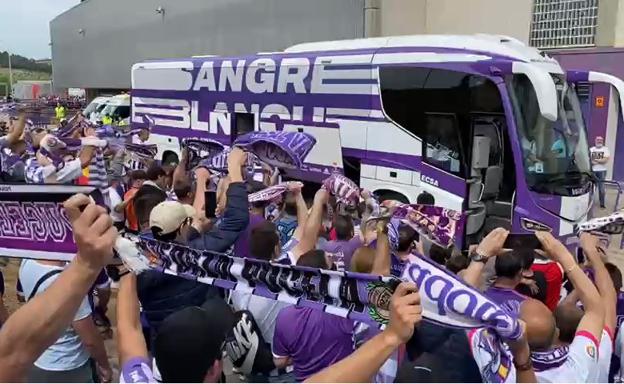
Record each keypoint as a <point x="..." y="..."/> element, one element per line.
<point x="295" y="186"/>
<point x="405" y="313"/>
<point x="552" y="247"/>
<point x="492" y="244"/>
<point x="237" y="157"/>
<point x="93" y="230"/>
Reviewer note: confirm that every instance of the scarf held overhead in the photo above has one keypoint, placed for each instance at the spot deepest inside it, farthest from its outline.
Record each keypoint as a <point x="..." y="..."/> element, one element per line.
<point x="33" y="224"/>
<point x="445" y="299"/>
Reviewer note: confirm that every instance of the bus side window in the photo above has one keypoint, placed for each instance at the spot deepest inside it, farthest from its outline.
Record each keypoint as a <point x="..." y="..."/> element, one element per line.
<point x="243" y="123"/>
<point x="441" y="143"/>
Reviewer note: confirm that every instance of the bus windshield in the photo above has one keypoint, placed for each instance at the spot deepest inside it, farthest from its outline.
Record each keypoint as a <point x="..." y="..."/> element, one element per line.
<point x="555" y="154"/>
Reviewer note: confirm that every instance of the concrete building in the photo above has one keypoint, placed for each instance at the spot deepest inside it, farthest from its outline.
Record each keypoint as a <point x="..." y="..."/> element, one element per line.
<point x="95" y="43"/>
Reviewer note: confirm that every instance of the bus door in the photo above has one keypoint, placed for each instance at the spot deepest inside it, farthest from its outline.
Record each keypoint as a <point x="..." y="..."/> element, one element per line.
<point x="493" y="176"/>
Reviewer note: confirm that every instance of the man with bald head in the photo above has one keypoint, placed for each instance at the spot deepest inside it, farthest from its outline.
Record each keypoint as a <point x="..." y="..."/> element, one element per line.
<point x="568" y="316"/>
<point x="542" y="330"/>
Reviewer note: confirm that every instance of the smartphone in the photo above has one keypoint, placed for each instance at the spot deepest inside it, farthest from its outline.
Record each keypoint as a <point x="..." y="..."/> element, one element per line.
<point x="210" y="205"/>
<point x="522" y="241"/>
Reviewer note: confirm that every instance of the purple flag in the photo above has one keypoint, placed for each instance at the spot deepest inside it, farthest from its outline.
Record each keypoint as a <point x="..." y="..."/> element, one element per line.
<point x="278" y="149"/>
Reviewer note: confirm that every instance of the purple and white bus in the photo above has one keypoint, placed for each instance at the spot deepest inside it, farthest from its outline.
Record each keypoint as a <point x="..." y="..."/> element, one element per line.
<point x="484" y="123"/>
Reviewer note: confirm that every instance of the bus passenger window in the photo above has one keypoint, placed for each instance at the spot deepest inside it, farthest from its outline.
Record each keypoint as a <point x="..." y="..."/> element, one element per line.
<point x="442" y="143"/>
<point x="243" y="123"/>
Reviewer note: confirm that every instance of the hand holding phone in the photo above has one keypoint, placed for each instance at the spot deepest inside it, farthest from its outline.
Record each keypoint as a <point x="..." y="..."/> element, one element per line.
<point x="210" y="205"/>
<point x="522" y="241"/>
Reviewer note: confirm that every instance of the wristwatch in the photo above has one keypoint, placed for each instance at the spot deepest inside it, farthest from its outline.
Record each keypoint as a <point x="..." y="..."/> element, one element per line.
<point x="479" y="258"/>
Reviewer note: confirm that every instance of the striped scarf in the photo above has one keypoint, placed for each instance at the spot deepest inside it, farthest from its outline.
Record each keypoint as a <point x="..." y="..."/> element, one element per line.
<point x="95" y="174"/>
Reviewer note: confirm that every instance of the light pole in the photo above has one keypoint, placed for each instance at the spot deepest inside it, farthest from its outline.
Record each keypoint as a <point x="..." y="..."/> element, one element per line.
<point x="10" y="74"/>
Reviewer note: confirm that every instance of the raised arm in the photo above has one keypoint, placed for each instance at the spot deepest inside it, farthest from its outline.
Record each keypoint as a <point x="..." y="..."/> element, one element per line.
<point x="179" y="173"/>
<point x="594" y="317"/>
<point x="37" y="324"/>
<point x="490" y="246"/>
<point x="302" y="209"/>
<point x="602" y="280"/>
<point x="522" y="358"/>
<point x="382" y="262"/>
<point x="361" y="365"/>
<point x="236" y="215"/>
<point x="312" y="225"/>
<point x="130" y="339"/>
<point x="202" y="175"/>
<point x="86" y="155"/>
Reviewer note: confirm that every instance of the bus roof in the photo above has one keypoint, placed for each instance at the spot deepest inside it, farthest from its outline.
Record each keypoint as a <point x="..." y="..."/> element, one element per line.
<point x="497" y="45"/>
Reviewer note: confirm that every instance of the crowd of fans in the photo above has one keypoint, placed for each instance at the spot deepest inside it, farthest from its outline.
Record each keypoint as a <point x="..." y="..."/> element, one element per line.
<point x="175" y="330"/>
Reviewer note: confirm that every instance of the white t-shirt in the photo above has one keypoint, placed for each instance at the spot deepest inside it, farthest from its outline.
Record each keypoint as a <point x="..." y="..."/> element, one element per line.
<point x="597" y="154"/>
<point x="496" y="364"/>
<point x="67" y="352"/>
<point x="264" y="311"/>
<point x="604" y="357"/>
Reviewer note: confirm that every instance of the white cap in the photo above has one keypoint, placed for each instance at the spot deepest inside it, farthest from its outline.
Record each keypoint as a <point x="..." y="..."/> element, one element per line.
<point x="169" y="216"/>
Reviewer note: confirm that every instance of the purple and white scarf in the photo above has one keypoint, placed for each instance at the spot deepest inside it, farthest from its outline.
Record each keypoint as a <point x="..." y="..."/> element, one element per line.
<point x="142" y="151"/>
<point x="445" y="298"/>
<point x="219" y="162"/>
<point x="345" y="190"/>
<point x="438" y="224"/>
<point x="199" y="149"/>
<point x="268" y="194"/>
<point x="278" y="149"/>
<point x="611" y="225"/>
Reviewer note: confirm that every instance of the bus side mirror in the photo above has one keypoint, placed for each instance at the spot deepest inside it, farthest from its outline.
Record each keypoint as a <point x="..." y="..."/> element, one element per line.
<point x="544" y="88"/>
<point x="618" y="84"/>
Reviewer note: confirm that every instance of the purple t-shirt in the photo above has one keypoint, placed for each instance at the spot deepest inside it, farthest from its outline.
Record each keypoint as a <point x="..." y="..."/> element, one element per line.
<point x="508" y="299"/>
<point x="312" y="338"/>
<point x="241" y="247"/>
<point x="342" y="250"/>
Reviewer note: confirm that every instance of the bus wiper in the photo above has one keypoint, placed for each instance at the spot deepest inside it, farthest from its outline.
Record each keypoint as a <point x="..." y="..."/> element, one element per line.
<point x="568" y="175"/>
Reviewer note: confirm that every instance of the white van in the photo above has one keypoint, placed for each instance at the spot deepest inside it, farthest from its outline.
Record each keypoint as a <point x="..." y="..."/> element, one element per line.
<point x="117" y="107"/>
<point x="96" y="105"/>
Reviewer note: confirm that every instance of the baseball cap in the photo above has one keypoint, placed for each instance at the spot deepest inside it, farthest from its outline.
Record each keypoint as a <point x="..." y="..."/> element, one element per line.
<point x="189" y="341"/>
<point x="169" y="216"/>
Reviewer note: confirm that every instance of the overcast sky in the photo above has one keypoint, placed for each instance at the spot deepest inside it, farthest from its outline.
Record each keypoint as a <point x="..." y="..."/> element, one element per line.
<point x="25" y="25"/>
